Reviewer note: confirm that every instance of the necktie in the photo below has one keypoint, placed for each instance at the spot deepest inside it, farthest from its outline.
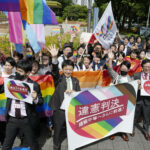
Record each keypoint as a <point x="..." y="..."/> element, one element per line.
<point x="17" y="109"/>
<point x="146" y="75"/>
<point x="68" y="83"/>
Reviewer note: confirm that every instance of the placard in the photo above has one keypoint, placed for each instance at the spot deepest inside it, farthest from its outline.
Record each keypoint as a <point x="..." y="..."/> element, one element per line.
<point x="18" y="90"/>
<point x="145" y="87"/>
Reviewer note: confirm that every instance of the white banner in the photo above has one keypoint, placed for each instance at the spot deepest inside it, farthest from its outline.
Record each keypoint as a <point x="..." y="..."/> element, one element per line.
<point x="145" y="87"/>
<point x="95" y="114"/>
<point x="18" y="90"/>
<point x="106" y="28"/>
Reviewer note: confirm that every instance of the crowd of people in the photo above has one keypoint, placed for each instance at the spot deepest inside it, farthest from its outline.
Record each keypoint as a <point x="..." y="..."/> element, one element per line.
<point x="87" y="57"/>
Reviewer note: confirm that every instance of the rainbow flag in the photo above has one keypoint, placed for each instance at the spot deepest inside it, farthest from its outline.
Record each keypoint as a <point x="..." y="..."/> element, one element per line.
<point x="9" y="5"/>
<point x="47" y="89"/>
<point x="37" y="12"/>
<point x="16" y="32"/>
<point x="75" y="54"/>
<point x="56" y="30"/>
<point x="75" y="29"/>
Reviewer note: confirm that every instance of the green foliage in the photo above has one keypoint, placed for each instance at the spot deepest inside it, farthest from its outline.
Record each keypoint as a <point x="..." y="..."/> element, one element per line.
<point x="5" y="46"/>
<point x="126" y="11"/>
<point x="75" y="12"/>
<point x="64" y="4"/>
<point x="59" y="19"/>
<point x="64" y="39"/>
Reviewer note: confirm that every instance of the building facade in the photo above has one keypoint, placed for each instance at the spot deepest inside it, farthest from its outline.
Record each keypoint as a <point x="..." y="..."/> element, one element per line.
<point x="82" y="2"/>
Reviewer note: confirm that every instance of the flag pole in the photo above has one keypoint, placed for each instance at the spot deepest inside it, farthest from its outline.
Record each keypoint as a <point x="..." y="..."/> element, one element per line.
<point x="11" y="49"/>
<point x="148" y="17"/>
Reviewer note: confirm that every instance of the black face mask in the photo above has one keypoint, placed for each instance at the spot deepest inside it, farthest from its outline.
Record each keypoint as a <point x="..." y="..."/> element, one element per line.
<point x="19" y="76"/>
<point x="123" y="73"/>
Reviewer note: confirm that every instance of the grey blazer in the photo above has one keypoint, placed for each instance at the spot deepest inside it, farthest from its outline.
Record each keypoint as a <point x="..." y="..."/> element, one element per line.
<point x="116" y="77"/>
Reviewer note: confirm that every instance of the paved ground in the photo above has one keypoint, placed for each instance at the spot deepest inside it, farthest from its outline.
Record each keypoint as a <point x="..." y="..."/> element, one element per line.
<point x="137" y="142"/>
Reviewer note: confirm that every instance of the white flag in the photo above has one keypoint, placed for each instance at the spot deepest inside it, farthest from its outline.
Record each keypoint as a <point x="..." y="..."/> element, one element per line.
<point x="106" y="28"/>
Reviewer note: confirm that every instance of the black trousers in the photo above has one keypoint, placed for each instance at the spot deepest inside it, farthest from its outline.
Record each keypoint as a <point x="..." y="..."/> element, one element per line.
<point x="12" y="129"/>
<point x="145" y="111"/>
<point x="59" y="128"/>
<point x="2" y="131"/>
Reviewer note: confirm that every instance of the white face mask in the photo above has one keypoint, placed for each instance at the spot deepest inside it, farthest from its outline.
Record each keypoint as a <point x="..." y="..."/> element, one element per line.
<point x="142" y="56"/>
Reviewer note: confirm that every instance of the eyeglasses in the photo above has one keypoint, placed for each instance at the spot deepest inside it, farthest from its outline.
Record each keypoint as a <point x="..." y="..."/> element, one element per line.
<point x="146" y="67"/>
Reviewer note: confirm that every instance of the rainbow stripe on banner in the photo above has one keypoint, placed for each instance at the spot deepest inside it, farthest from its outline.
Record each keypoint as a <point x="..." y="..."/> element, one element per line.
<point x="47" y="89"/>
<point x="100" y="129"/>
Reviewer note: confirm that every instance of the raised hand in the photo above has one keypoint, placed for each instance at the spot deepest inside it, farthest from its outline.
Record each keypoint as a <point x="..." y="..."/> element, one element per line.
<point x="53" y="51"/>
<point x="72" y="37"/>
<point x="111" y="55"/>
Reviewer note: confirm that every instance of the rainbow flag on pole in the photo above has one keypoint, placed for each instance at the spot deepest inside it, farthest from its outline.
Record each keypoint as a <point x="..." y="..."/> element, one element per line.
<point x="37" y="12"/>
<point x="16" y="32"/>
<point x="32" y="11"/>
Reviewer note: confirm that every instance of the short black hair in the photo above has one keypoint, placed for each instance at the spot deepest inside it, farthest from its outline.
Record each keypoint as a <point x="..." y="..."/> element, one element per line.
<point x="81" y="46"/>
<point x="11" y="61"/>
<point x="29" y="46"/>
<point x="19" y="55"/>
<point x="97" y="44"/>
<point x="145" y="61"/>
<point x="126" y="38"/>
<point x="67" y="63"/>
<point x="120" y="46"/>
<point x="67" y="45"/>
<point x="36" y="62"/>
<point x="121" y="53"/>
<point x="136" y="51"/>
<point x="113" y="46"/>
<point x="24" y="65"/>
<point x="126" y="63"/>
<point x="132" y="36"/>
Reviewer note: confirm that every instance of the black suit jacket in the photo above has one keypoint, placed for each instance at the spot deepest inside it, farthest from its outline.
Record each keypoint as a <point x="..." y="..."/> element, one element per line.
<point x="30" y="108"/>
<point x="61" y="87"/>
<point x="145" y="99"/>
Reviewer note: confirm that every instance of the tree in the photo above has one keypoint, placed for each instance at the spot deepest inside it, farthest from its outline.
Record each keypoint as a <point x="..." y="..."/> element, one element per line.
<point x="64" y="4"/>
<point x="75" y="12"/>
<point x="126" y="11"/>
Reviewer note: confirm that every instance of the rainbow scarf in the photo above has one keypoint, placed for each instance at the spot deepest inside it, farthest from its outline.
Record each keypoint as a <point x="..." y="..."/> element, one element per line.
<point x="47" y="89"/>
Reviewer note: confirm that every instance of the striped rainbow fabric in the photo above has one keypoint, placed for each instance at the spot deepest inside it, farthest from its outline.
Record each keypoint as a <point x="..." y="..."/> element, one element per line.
<point x="9" y="5"/>
<point x="32" y="11"/>
<point x="36" y="12"/>
<point x="47" y="89"/>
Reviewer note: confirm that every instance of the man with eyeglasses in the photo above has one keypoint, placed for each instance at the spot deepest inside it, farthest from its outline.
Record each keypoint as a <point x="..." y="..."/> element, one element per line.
<point x="143" y="102"/>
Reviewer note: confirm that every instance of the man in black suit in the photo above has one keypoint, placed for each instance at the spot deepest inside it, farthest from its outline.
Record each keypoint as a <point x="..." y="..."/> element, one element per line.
<point x="22" y="115"/>
<point x="143" y="102"/>
<point x="65" y="84"/>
